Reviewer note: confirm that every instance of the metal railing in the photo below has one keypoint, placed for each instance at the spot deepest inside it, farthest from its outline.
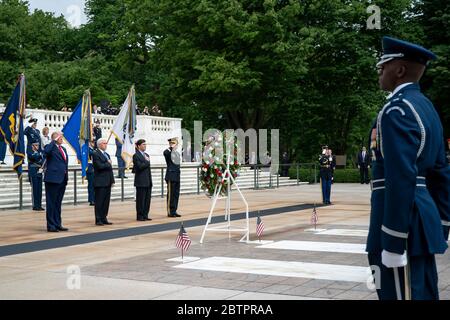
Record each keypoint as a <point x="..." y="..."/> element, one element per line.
<point x="305" y="172"/>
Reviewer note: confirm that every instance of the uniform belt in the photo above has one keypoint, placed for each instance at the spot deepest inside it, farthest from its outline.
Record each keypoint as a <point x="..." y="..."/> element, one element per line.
<point x="378" y="184"/>
<point x="325" y="166"/>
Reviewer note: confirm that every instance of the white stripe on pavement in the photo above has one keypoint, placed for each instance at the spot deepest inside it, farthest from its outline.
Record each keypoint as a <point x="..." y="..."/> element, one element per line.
<point x="333" y="272"/>
<point x="316" y="246"/>
<point x="345" y="232"/>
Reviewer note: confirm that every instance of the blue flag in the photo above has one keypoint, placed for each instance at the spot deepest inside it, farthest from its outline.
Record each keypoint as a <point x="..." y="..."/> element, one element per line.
<point x="78" y="130"/>
<point x="11" y="124"/>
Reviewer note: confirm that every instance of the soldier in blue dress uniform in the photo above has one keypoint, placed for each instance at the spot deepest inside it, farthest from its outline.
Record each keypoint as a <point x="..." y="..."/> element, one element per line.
<point x="90" y="176"/>
<point x="326" y="174"/>
<point x="35" y="162"/>
<point x="33" y="135"/>
<point x="410" y="202"/>
<point x="120" y="162"/>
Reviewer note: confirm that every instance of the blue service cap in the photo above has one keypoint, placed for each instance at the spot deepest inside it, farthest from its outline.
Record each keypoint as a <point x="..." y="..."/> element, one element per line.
<point x="399" y="49"/>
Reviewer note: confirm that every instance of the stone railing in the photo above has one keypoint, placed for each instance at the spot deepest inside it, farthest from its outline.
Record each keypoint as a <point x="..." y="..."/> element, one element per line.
<point x="156" y="130"/>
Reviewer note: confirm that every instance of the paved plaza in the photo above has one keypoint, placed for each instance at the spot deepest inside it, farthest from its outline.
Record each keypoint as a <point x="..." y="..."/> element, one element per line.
<point x="138" y="260"/>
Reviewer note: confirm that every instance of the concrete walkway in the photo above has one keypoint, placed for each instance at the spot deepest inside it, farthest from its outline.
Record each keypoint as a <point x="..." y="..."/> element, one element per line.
<point x="137" y="267"/>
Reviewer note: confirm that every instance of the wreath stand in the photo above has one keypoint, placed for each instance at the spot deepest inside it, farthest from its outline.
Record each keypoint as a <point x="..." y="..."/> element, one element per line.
<point x="228" y="178"/>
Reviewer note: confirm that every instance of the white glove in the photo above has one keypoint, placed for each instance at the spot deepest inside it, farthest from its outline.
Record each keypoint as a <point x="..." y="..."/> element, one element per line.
<point x="393" y="260"/>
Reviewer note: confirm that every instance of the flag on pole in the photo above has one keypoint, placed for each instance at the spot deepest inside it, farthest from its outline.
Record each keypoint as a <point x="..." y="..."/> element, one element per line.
<point x="11" y="124"/>
<point x="314" y="217"/>
<point x="78" y="130"/>
<point x="259" y="227"/>
<point x="125" y="127"/>
<point x="183" y="242"/>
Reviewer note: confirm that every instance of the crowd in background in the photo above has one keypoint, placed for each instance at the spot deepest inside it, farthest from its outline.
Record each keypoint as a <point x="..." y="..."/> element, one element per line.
<point x="110" y="110"/>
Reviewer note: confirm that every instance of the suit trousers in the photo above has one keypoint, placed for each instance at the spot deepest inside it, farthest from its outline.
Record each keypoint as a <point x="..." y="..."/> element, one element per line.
<point x="102" y="199"/>
<point x="364" y="174"/>
<point x="143" y="199"/>
<point x="54" y="194"/>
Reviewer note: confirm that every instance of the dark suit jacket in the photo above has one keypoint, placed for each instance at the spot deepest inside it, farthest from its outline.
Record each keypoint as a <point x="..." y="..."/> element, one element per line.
<point x="142" y="172"/>
<point x="363" y="162"/>
<point x="56" y="167"/>
<point x="173" y="169"/>
<point x="103" y="172"/>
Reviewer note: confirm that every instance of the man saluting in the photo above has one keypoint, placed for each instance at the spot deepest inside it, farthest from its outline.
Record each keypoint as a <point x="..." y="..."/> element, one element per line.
<point x="410" y="204"/>
<point x="55" y="178"/>
<point x="173" y="160"/>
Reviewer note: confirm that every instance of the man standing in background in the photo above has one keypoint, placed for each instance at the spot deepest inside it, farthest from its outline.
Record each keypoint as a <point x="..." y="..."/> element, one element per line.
<point x="325" y="162"/>
<point x="90" y="175"/>
<point x="120" y="161"/>
<point x="364" y="165"/>
<point x="35" y="162"/>
<point x="33" y="135"/>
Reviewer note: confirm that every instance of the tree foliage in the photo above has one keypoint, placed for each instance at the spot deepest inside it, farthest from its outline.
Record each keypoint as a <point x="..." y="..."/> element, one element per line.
<point x="305" y="67"/>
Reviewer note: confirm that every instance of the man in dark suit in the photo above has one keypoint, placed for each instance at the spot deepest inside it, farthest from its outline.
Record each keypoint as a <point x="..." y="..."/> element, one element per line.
<point x="173" y="160"/>
<point x="364" y="165"/>
<point x="35" y="161"/>
<point x="55" y="178"/>
<point x="142" y="180"/>
<point x="103" y="181"/>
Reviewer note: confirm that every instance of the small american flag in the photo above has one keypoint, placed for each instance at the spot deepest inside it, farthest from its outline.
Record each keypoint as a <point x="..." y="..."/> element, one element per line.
<point x="183" y="242"/>
<point x="259" y="227"/>
<point x="314" y="217"/>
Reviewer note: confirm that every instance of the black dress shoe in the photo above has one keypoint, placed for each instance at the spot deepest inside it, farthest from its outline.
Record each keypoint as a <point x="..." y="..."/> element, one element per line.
<point x="107" y="222"/>
<point x="52" y="230"/>
<point x="92" y="204"/>
<point x="140" y="219"/>
<point x="36" y="209"/>
<point x="63" y="229"/>
<point x="98" y="224"/>
<point x="148" y="219"/>
<point x="41" y="209"/>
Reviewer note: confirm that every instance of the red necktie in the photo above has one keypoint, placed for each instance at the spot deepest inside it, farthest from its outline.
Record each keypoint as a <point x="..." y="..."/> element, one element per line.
<point x="62" y="153"/>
